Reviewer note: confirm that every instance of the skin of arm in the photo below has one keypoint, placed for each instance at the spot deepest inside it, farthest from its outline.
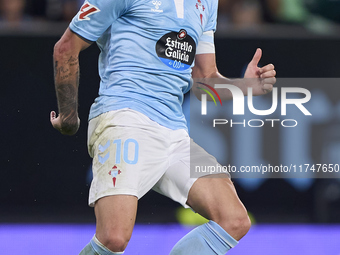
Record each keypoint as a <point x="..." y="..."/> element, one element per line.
<point x="260" y="79"/>
<point x="66" y="79"/>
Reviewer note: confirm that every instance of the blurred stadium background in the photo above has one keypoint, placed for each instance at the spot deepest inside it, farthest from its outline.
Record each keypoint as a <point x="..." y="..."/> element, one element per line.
<point x="45" y="176"/>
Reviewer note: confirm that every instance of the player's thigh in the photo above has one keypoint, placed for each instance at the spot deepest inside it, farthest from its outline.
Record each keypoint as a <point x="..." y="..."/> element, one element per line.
<point x="213" y="194"/>
<point x="180" y="175"/>
<point x="215" y="198"/>
<point x="115" y="217"/>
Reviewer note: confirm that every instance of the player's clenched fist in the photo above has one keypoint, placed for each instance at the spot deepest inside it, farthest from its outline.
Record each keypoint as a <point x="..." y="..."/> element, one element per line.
<point x="265" y="75"/>
<point x="65" y="125"/>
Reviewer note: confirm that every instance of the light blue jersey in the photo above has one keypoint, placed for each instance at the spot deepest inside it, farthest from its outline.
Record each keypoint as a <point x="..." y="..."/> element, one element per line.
<point x="147" y="51"/>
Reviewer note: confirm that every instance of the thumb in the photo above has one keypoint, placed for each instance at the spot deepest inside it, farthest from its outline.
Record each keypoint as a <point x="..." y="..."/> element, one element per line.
<point x="257" y="57"/>
<point x="53" y="116"/>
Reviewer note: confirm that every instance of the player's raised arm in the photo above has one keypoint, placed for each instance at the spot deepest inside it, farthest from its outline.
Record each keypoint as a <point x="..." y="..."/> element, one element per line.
<point x="66" y="78"/>
<point x="260" y="79"/>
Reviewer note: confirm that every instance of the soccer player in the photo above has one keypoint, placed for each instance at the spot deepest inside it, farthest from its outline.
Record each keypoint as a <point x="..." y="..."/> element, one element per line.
<point x="137" y="132"/>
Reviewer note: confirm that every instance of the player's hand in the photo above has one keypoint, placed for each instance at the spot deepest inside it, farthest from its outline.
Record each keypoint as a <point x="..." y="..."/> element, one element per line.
<point x="264" y="77"/>
<point x="65" y="126"/>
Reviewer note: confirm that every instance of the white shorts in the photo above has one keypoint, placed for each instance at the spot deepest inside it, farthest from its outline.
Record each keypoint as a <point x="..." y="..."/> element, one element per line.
<point x="133" y="154"/>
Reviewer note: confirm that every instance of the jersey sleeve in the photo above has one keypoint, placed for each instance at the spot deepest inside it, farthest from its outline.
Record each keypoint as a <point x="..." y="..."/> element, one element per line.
<point x="206" y="41"/>
<point x="95" y="16"/>
<point x="212" y="19"/>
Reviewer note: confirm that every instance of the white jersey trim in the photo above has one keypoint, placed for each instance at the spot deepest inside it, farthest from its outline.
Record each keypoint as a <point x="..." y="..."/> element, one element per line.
<point x="206" y="43"/>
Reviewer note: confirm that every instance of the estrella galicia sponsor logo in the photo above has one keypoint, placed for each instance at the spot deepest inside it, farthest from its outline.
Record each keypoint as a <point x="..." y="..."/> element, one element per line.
<point x="176" y="50"/>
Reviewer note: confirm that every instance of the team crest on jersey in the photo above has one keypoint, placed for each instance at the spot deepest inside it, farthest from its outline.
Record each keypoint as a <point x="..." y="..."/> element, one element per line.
<point x="114" y="174"/>
<point x="176" y="50"/>
<point x="200" y="7"/>
<point x="87" y="10"/>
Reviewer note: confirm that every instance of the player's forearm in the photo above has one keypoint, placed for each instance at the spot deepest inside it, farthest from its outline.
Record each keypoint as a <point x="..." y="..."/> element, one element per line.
<point x="66" y="76"/>
<point x="217" y="78"/>
<point x="205" y="74"/>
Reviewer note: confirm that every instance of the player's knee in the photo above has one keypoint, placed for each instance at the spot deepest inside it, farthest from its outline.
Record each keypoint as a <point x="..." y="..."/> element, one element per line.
<point x="237" y="226"/>
<point x="115" y="242"/>
<point x="241" y="226"/>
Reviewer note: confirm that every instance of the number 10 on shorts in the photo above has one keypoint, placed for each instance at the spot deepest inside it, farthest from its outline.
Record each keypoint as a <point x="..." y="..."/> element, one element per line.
<point x="128" y="151"/>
